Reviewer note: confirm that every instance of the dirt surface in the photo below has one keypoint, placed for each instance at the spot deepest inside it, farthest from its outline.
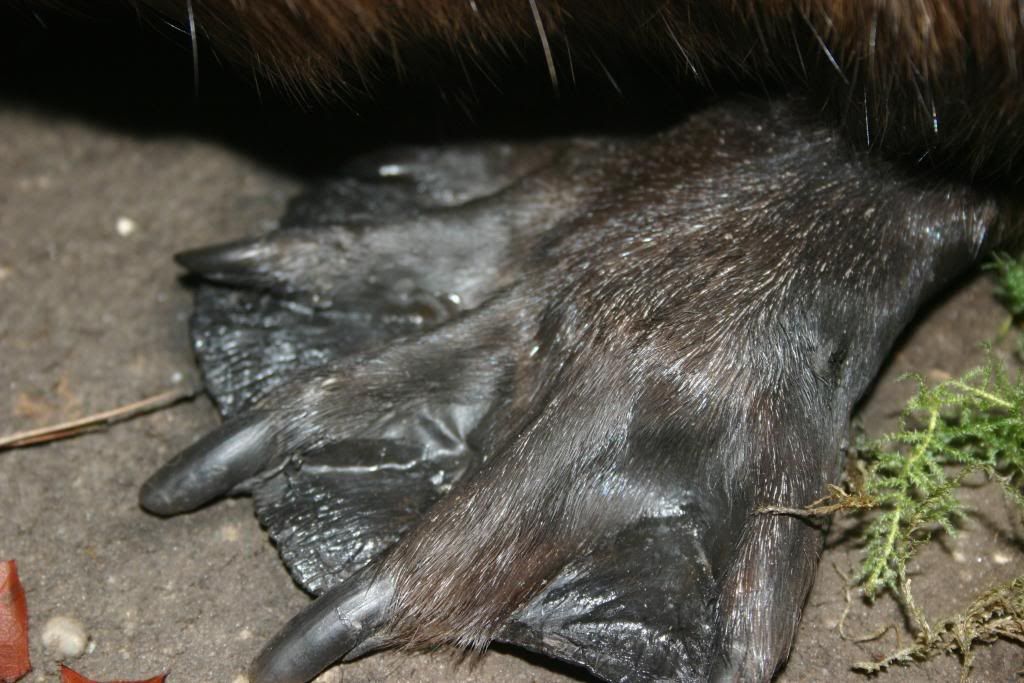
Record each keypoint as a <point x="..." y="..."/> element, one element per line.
<point x="92" y="315"/>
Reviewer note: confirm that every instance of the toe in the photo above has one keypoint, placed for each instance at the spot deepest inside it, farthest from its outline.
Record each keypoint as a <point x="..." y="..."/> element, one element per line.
<point x="211" y="467"/>
<point x="329" y="628"/>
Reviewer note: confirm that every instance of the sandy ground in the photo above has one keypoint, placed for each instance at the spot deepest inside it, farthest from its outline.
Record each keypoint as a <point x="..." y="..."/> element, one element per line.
<point x="92" y="317"/>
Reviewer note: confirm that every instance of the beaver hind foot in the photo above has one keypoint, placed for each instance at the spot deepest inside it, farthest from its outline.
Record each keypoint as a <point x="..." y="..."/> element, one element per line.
<point x="538" y="393"/>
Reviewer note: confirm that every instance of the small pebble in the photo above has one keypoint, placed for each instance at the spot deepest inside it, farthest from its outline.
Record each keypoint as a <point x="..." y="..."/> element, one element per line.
<point x="1001" y="558"/>
<point x="240" y="678"/>
<point x="126" y="226"/>
<point x="65" y="638"/>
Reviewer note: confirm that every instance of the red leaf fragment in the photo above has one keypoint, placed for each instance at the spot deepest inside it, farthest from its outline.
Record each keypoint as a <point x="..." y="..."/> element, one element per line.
<point x="14" y="661"/>
<point x="71" y="676"/>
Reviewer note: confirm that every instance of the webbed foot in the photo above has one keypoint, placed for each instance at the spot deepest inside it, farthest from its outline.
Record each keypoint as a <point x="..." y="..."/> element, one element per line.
<point x="543" y="404"/>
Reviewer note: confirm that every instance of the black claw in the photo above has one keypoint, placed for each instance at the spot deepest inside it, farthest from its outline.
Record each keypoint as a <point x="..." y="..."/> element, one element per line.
<point x="211" y="467"/>
<point x="239" y="263"/>
<point x="335" y="624"/>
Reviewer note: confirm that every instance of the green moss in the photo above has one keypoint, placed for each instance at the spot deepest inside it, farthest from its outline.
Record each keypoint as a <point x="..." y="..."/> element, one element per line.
<point x="1009" y="274"/>
<point x="947" y="432"/>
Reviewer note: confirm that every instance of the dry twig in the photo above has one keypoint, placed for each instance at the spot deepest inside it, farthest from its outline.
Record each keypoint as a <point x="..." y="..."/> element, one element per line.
<point x="66" y="430"/>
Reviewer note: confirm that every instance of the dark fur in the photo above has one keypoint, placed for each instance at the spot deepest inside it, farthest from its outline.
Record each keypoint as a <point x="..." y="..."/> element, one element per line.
<point x="917" y="77"/>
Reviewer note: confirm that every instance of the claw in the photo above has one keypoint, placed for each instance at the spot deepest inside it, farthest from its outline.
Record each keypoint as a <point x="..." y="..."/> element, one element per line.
<point x="335" y="624"/>
<point x="243" y="262"/>
<point x="210" y="468"/>
<point x="290" y="261"/>
<point x="225" y="258"/>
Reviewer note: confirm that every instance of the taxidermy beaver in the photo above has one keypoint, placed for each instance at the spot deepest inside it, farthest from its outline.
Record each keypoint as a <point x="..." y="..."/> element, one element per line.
<point x="535" y="393"/>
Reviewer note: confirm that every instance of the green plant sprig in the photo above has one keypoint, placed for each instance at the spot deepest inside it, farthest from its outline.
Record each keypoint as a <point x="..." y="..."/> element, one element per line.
<point x="974" y="423"/>
<point x="1009" y="290"/>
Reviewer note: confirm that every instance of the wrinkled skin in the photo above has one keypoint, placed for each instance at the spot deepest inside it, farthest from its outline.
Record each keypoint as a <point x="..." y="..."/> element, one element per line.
<point x="538" y="393"/>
